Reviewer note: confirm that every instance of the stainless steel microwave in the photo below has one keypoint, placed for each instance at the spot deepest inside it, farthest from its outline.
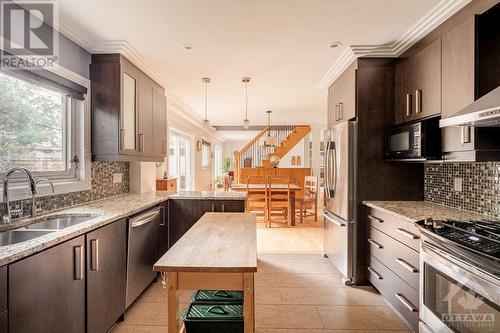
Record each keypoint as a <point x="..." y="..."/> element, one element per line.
<point x="417" y="141"/>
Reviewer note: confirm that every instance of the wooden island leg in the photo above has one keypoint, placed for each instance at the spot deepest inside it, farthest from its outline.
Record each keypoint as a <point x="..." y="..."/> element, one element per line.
<point x="291" y="211"/>
<point x="248" y="303"/>
<point x="172" y="302"/>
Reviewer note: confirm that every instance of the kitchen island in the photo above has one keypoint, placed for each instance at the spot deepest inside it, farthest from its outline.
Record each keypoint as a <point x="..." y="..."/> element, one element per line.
<point x="218" y="252"/>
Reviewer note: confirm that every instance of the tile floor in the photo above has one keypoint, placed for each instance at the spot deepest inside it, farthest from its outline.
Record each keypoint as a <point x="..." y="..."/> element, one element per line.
<point x="296" y="292"/>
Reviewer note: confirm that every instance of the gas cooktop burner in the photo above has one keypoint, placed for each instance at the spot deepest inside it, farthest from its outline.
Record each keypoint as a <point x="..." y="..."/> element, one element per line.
<point x="482" y="236"/>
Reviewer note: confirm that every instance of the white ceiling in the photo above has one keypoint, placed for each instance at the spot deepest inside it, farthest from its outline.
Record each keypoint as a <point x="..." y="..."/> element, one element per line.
<point x="281" y="44"/>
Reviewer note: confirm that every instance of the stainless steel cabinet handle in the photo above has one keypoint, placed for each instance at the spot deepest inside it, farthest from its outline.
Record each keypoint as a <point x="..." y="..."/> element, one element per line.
<point x="377" y="275"/>
<point x="465" y="134"/>
<point x="375" y="219"/>
<point x="407" y="233"/>
<point x="377" y="245"/>
<point x="408" y="105"/>
<point x="213" y="207"/>
<point x="78" y="262"/>
<point x="164" y="146"/>
<point x="122" y="138"/>
<point x="418" y="101"/>
<point x="337" y="112"/>
<point x="162" y="209"/>
<point x="144" y="218"/>
<point x="94" y="254"/>
<point x="406" y="265"/>
<point x="406" y="303"/>
<point x="141" y="142"/>
<point x="341" y="111"/>
<point x="223" y="208"/>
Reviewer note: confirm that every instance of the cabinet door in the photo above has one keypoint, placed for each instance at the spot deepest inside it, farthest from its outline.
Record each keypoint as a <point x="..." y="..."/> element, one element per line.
<point x="330" y="108"/>
<point x="159" y="122"/>
<point x="347" y="94"/>
<point x="128" y="114"/>
<point x="180" y="219"/>
<point x="458" y="82"/>
<point x="428" y="80"/>
<point x="145" y="117"/>
<point x="404" y="90"/>
<point x="230" y="206"/>
<point x="106" y="275"/>
<point x="47" y="290"/>
<point x="163" y="230"/>
<point x="200" y="207"/>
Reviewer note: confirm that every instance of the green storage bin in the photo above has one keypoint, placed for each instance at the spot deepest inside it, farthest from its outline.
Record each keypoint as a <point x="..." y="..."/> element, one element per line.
<point x="217" y="296"/>
<point x="213" y="318"/>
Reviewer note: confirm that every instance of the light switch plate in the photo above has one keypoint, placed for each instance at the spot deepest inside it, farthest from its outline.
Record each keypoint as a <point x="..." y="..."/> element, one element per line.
<point x="457" y="184"/>
<point x="117" y="178"/>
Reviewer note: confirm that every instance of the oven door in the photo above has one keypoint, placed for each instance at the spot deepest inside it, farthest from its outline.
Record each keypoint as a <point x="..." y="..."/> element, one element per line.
<point x="455" y="296"/>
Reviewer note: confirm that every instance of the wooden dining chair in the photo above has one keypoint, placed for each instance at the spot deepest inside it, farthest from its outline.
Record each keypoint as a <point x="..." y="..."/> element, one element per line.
<point x="310" y="199"/>
<point x="257" y="198"/>
<point x="278" y="200"/>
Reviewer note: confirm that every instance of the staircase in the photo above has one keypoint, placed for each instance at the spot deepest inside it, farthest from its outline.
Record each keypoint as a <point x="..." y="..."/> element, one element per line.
<point x="256" y="154"/>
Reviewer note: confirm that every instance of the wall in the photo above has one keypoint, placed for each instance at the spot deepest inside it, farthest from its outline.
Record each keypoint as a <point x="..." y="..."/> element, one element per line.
<point x="300" y="149"/>
<point x="102" y="187"/>
<point x="177" y="119"/>
<point x="480" y="186"/>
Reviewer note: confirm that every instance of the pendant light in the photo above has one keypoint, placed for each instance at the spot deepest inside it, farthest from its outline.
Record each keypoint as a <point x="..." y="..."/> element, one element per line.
<point x="246" y="122"/>
<point x="206" y="122"/>
<point x="270" y="141"/>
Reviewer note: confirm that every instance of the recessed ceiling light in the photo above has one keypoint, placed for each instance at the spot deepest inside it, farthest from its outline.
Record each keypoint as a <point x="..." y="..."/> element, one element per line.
<point x="188" y="46"/>
<point x="334" y="45"/>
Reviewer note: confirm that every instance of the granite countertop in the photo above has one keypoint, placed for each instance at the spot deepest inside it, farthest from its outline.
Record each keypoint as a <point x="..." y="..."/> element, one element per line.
<point x="414" y="211"/>
<point x="103" y="212"/>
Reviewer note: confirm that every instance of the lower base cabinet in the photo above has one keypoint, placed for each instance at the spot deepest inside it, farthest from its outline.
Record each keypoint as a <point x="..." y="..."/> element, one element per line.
<point x="106" y="276"/>
<point x="47" y="290"/>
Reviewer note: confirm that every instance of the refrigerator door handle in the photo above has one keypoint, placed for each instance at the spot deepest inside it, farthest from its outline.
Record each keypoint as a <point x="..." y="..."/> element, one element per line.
<point x="340" y="224"/>
<point x="334" y="168"/>
<point x="327" y="170"/>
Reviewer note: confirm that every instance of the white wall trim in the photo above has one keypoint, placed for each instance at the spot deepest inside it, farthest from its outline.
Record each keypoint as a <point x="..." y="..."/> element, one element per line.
<point x="437" y="15"/>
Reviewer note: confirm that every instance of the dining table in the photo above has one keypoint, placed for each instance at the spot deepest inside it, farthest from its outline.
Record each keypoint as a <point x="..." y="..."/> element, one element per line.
<point x="294" y="188"/>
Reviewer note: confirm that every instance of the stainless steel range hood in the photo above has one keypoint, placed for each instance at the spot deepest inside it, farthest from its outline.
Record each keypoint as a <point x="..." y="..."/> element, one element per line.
<point x="484" y="112"/>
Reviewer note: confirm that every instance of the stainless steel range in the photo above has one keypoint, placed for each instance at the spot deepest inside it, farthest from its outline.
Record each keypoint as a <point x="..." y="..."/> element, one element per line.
<point x="460" y="279"/>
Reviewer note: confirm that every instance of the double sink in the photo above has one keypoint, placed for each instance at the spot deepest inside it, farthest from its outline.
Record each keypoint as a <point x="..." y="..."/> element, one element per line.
<point x="46" y="226"/>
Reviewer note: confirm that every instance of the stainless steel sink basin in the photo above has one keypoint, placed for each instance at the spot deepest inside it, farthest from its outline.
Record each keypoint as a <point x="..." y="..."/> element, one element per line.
<point x="60" y="222"/>
<point x="18" y="236"/>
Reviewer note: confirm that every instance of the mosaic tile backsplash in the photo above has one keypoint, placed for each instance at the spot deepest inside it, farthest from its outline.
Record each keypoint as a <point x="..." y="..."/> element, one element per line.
<point x="480" y="186"/>
<point x="102" y="187"/>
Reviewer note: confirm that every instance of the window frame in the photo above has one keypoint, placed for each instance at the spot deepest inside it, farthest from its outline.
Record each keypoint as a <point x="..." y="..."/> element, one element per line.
<point x="218" y="164"/>
<point x="78" y="177"/>
<point x="206" y="148"/>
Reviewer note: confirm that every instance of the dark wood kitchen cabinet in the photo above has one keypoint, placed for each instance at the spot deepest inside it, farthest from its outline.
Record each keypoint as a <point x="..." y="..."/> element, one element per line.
<point x="106" y="276"/>
<point x="418" y="84"/>
<point x="4" y="318"/>
<point x="47" y="290"/>
<point x="184" y="213"/>
<point x="128" y="109"/>
<point x="465" y="47"/>
<point x="342" y="97"/>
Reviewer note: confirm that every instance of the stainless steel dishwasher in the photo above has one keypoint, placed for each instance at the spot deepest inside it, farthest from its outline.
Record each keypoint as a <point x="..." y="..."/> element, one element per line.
<point x="142" y="251"/>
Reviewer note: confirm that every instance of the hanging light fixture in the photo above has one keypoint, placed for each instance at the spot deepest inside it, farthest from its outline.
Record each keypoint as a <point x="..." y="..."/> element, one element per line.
<point x="246" y="122"/>
<point x="206" y="122"/>
<point x="270" y="141"/>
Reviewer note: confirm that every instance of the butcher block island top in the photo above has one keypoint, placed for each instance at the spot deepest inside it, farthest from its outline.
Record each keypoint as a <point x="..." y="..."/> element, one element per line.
<point x="217" y="243"/>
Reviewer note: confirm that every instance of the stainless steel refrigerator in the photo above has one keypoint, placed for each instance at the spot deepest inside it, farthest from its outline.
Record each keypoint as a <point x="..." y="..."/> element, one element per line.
<point x="339" y="211"/>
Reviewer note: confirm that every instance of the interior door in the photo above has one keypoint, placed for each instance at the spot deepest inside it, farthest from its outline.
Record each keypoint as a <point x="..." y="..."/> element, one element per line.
<point x="338" y="156"/>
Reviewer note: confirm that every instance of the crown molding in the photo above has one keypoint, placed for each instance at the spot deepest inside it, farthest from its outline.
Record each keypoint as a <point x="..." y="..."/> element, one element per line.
<point x="437" y="15"/>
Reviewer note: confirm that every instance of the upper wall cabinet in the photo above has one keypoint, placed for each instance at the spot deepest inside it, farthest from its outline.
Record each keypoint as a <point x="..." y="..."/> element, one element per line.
<point x="342" y="97"/>
<point x="470" y="65"/>
<point x="418" y="84"/>
<point x="128" y="112"/>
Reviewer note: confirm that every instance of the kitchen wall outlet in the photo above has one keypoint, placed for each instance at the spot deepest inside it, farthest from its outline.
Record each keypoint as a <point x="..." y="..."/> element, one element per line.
<point x="457" y="184"/>
<point x="117" y="178"/>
